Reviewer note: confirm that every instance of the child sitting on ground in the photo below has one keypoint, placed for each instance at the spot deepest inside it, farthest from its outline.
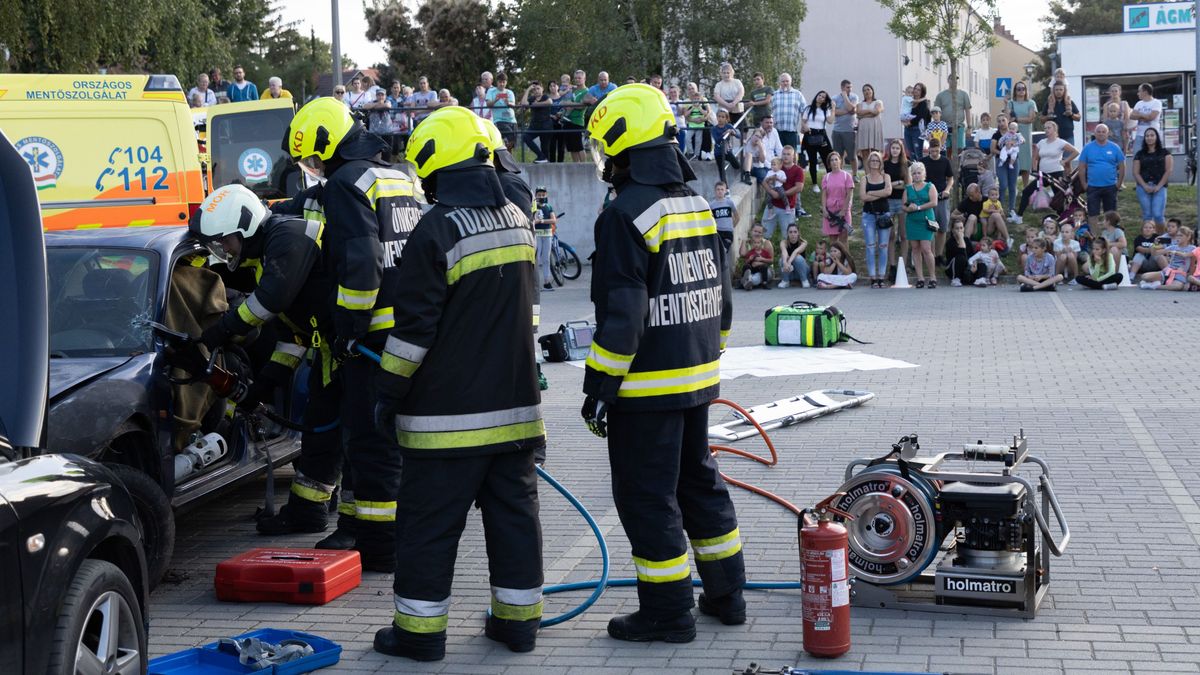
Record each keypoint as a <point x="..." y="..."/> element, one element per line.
<point x="1066" y="253"/>
<point x="1039" y="269"/>
<point x="1181" y="263"/>
<point x="755" y="259"/>
<point x="1031" y="233"/>
<point x="1144" y="251"/>
<point x="1083" y="229"/>
<point x="1114" y="235"/>
<point x="820" y="257"/>
<point x="1100" y="270"/>
<point x="985" y="265"/>
<point x="1050" y="228"/>
<point x="838" y="272"/>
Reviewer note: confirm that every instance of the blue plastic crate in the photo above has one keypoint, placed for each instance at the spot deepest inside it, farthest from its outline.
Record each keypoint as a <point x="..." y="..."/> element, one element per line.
<point x="207" y="660"/>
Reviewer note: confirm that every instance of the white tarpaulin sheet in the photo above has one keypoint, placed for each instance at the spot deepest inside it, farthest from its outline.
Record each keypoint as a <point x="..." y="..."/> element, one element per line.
<point x="763" y="361"/>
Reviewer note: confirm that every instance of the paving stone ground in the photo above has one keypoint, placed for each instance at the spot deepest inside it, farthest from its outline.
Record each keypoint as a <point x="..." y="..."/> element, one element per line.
<point x="1116" y="426"/>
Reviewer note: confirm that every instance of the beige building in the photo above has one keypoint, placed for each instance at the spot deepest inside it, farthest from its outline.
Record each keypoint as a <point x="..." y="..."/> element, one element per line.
<point x="1010" y="58"/>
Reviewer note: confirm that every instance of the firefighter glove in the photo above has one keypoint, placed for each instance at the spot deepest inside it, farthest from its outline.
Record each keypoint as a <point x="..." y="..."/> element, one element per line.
<point x="595" y="415"/>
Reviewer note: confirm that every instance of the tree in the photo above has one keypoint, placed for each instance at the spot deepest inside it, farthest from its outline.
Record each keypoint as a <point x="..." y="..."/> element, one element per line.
<point x="449" y="41"/>
<point x="1073" y="17"/>
<point x="951" y="30"/>
<point x="686" y="39"/>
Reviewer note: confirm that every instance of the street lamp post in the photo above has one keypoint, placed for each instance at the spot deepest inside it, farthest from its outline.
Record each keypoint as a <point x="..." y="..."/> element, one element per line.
<point x="337" y="48"/>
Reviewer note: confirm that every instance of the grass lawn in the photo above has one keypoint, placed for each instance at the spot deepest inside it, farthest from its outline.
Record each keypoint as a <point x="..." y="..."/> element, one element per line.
<point x="1181" y="203"/>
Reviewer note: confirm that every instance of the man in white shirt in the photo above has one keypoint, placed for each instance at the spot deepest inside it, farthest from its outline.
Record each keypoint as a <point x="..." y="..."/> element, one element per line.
<point x="762" y="147"/>
<point x="1148" y="113"/>
<point x="207" y="96"/>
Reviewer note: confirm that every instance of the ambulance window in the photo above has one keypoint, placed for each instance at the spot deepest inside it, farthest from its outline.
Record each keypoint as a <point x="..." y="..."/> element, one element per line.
<point x="246" y="148"/>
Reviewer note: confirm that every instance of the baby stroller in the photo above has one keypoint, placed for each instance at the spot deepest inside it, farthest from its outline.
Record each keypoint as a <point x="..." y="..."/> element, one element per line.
<point x="1069" y="196"/>
<point x="974" y="167"/>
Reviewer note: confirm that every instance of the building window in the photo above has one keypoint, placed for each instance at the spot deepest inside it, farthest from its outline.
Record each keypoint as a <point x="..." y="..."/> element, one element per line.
<point x="1168" y="88"/>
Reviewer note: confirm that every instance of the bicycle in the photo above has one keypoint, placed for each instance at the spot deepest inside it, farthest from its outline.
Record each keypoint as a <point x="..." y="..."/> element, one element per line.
<point x="564" y="261"/>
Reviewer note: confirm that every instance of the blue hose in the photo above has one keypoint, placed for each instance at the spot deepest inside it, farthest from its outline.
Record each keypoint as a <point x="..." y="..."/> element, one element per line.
<point x="597" y="585"/>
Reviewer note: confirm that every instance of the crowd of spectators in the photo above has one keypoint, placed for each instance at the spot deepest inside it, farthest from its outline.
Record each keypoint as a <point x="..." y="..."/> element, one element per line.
<point x="942" y="196"/>
<point x="211" y="89"/>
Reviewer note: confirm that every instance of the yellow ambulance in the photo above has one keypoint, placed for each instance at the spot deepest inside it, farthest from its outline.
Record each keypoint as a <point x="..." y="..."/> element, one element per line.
<point x="105" y="150"/>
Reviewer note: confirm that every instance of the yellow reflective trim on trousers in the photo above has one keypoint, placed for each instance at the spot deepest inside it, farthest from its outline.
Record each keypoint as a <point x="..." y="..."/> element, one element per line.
<point x="445" y="440"/>
<point x="490" y="258"/>
<point x="247" y="316"/>
<point x="346" y="508"/>
<point x="311" y="494"/>
<point x="421" y="624"/>
<point x="665" y="382"/>
<point x="724" y="338"/>
<point x="352" y="299"/>
<point x="679" y="226"/>
<point x="382" y="318"/>
<point x="718" y="548"/>
<point x="378" y="512"/>
<point x="502" y="610"/>
<point x="662" y="571"/>
<point x="397" y="366"/>
<point x="611" y="363"/>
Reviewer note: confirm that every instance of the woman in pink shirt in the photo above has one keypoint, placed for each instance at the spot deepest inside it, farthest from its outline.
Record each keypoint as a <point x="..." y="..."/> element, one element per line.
<point x="837" y="191"/>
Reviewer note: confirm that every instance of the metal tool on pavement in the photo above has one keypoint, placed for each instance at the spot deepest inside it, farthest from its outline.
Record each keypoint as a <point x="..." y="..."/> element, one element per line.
<point x="788" y="411"/>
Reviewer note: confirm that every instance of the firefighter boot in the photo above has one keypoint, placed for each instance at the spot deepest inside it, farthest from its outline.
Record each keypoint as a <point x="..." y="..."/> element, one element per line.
<point x="518" y="636"/>
<point x="637" y="627"/>
<point x="395" y="641"/>
<point x="341" y="539"/>
<point x="730" y="609"/>
<point x="376" y="541"/>
<point x="295" y="517"/>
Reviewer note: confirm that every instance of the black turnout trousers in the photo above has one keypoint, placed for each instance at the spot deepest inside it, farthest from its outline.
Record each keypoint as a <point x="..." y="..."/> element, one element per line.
<point x="665" y="482"/>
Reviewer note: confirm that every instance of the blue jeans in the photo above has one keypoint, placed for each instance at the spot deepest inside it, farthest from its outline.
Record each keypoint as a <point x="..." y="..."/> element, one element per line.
<point x="1007" y="177"/>
<point x="1154" y="206"/>
<point x="877" y="246"/>
<point x="799" y="273"/>
<point x="913" y="143"/>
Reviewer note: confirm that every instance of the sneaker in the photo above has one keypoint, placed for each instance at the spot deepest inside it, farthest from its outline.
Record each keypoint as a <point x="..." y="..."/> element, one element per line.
<point x="981" y="281"/>
<point x="817" y="189"/>
<point x="1010" y="243"/>
<point x="1072" y="283"/>
<point x="1053" y="288"/>
<point x="1150" y="285"/>
<point x="1025" y="288"/>
<point x="541" y="161"/>
<point x="956" y="282"/>
<point x="746" y="178"/>
<point x="1013" y="217"/>
<point x="547" y="288"/>
<point x="803" y="214"/>
<point x="1109" y="287"/>
<point x="747" y="284"/>
<point x="805" y="284"/>
<point x="785" y="283"/>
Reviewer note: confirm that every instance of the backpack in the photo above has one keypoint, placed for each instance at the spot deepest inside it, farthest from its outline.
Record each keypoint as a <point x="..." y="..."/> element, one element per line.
<point x="807" y="325"/>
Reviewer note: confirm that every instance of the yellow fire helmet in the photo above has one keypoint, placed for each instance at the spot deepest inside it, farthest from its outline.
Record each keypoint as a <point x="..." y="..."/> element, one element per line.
<point x="317" y="129"/>
<point x="496" y="140"/>
<point x="632" y="115"/>
<point x="449" y="137"/>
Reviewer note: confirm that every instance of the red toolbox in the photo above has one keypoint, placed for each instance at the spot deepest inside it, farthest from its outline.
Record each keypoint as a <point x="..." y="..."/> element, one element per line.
<point x="300" y="576"/>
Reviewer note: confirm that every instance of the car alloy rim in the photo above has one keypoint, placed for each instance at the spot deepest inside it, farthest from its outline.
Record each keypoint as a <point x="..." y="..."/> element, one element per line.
<point x="108" y="643"/>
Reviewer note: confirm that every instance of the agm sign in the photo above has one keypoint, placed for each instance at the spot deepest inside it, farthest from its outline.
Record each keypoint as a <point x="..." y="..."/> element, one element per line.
<point x="1160" y="16"/>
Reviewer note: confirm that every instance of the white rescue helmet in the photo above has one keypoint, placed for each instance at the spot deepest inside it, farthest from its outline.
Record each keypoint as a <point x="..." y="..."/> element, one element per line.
<point x="229" y="210"/>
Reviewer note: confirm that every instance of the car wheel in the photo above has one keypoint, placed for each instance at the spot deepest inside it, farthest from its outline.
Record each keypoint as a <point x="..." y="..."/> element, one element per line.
<point x="156" y="516"/>
<point x="100" y="628"/>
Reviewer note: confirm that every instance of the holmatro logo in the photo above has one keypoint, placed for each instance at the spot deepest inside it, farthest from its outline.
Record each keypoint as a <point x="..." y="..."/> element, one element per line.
<point x="979" y="585"/>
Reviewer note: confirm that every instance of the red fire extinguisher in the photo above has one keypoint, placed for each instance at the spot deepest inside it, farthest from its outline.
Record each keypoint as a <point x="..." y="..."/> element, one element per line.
<point x="824" y="573"/>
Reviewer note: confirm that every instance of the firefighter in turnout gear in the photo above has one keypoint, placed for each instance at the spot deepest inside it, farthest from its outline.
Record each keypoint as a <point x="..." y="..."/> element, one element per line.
<point x="292" y="290"/>
<point x="236" y="228"/>
<point x="662" y="316"/>
<point x="458" y="387"/>
<point x="369" y="210"/>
